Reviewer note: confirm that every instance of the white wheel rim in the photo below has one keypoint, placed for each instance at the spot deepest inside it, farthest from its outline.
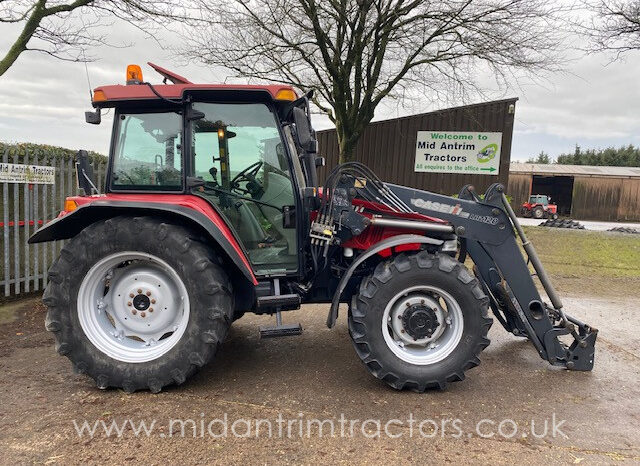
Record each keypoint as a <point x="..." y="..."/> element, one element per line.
<point x="427" y="350"/>
<point x="133" y="306"/>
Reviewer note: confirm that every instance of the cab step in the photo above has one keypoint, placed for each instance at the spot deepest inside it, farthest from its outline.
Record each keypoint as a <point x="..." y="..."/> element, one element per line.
<point x="283" y="302"/>
<point x="281" y="330"/>
<point x="279" y="303"/>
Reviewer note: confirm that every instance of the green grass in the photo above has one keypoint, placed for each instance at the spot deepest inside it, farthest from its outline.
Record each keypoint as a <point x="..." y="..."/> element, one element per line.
<point x="586" y="254"/>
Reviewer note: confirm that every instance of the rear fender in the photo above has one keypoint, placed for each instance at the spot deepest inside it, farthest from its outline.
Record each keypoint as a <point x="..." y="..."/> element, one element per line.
<point x="71" y="224"/>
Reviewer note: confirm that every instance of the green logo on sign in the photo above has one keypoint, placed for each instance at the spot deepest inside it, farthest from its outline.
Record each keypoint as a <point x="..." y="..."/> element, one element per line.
<point x="487" y="153"/>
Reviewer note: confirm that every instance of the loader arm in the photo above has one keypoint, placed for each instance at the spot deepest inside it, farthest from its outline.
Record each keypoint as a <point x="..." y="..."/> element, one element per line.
<point x="488" y="229"/>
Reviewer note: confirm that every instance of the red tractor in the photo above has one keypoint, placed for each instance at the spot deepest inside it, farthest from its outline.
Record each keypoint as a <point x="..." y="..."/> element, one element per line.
<point x="539" y="207"/>
<point x="212" y="208"/>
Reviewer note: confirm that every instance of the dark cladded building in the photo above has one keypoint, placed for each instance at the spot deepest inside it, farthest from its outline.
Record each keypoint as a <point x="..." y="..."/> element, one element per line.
<point x="389" y="147"/>
<point x="580" y="191"/>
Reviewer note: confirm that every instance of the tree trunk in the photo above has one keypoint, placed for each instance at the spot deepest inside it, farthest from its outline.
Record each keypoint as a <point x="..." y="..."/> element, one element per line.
<point x="347" y="140"/>
<point x="20" y="44"/>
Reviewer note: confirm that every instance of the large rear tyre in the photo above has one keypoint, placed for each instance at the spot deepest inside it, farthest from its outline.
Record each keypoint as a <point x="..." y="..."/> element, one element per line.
<point x="419" y="321"/>
<point x="538" y="212"/>
<point x="136" y="303"/>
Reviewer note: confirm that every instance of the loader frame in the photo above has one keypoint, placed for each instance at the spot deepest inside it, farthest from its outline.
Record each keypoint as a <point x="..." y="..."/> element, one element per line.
<point x="488" y="229"/>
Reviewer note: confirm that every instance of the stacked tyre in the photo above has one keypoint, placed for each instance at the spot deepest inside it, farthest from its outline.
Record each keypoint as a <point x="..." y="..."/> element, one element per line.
<point x="628" y="230"/>
<point x="563" y="223"/>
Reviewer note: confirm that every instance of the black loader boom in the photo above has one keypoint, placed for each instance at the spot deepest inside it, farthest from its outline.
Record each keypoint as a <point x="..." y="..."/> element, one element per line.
<point x="487" y="229"/>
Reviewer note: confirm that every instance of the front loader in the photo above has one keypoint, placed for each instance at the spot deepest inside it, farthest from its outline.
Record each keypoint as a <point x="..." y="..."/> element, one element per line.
<point x="212" y="208"/>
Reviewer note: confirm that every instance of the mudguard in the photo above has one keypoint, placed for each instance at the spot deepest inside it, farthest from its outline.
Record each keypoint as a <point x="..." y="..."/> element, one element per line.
<point x="375" y="249"/>
<point x="71" y="224"/>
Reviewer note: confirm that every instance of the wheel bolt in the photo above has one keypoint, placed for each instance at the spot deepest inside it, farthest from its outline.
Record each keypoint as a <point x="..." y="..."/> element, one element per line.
<point x="153" y="301"/>
<point x="148" y="293"/>
<point x="131" y="295"/>
<point x="134" y="312"/>
<point x="129" y="304"/>
<point x="139" y="290"/>
<point x="142" y="314"/>
<point x="422" y="301"/>
<point x="150" y="309"/>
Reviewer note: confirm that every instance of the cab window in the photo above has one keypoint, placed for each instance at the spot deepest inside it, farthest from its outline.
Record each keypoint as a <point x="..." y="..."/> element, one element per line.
<point x="147" y="152"/>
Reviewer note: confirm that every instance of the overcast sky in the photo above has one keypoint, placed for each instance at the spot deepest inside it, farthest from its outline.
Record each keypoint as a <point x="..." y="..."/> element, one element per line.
<point x="594" y="103"/>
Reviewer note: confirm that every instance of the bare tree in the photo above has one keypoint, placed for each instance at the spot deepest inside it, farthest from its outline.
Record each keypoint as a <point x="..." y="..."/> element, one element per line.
<point x="66" y="29"/>
<point x="355" y="53"/>
<point x="614" y="26"/>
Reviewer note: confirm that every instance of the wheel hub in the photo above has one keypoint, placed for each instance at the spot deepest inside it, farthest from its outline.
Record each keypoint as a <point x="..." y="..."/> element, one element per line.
<point x="141" y="302"/>
<point x="422" y="324"/>
<point x="417" y="319"/>
<point x="420" y="321"/>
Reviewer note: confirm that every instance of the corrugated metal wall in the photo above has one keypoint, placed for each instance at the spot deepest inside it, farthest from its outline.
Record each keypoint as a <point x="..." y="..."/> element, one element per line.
<point x="629" y="208"/>
<point x="594" y="198"/>
<point x="519" y="189"/>
<point x="389" y="147"/>
<point x="609" y="199"/>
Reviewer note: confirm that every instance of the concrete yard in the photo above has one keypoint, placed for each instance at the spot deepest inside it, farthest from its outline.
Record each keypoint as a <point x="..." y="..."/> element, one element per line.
<point x="318" y="376"/>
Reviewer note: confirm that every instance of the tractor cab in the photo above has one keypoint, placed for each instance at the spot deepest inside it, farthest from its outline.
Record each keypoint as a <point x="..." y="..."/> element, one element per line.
<point x="539" y="199"/>
<point x="233" y="146"/>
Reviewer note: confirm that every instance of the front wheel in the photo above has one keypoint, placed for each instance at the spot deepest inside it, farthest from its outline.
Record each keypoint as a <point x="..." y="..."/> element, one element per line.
<point x="137" y="303"/>
<point x="419" y="321"/>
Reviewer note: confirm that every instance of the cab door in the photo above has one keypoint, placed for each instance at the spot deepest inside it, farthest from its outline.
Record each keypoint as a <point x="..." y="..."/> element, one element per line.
<point x="238" y="152"/>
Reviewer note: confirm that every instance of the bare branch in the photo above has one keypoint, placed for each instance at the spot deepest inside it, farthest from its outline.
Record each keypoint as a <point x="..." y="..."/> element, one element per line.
<point x="66" y="29"/>
<point x="356" y="53"/>
<point x="614" y="26"/>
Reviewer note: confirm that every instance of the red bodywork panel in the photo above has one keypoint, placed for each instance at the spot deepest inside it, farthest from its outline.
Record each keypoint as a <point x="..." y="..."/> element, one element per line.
<point x="185" y="200"/>
<point x="120" y="92"/>
<point x="553" y="208"/>
<point x="374" y="234"/>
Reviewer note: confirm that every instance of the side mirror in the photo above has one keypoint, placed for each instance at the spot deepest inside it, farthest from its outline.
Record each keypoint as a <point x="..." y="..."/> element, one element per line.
<point x="304" y="134"/>
<point x="93" y="118"/>
<point x="84" y="174"/>
<point x="193" y="114"/>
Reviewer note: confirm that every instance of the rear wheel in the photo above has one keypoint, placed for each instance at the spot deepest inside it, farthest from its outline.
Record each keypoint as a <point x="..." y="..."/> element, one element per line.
<point x="136" y="303"/>
<point x="538" y="212"/>
<point x="419" y="321"/>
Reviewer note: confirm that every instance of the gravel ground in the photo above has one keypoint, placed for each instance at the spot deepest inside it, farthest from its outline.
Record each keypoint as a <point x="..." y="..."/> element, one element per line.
<point x="317" y="376"/>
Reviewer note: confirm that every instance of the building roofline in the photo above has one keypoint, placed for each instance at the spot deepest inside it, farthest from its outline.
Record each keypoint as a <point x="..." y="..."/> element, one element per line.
<point x="573" y="170"/>
<point x="442" y="110"/>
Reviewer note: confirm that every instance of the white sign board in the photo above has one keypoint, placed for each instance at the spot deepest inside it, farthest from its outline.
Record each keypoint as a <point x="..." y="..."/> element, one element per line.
<point x="458" y="152"/>
<point x="32" y="174"/>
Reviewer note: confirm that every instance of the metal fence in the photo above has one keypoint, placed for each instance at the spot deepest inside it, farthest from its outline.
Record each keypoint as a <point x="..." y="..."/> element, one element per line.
<point x="26" y="207"/>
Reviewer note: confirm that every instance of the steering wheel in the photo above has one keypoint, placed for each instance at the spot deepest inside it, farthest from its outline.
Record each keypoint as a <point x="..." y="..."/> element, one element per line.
<point x="248" y="175"/>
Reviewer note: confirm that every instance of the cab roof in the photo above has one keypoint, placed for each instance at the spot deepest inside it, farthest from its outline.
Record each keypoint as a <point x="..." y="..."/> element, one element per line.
<point x="109" y="96"/>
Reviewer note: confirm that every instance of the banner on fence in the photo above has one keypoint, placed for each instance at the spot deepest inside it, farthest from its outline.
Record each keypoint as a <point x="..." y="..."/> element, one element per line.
<point x="32" y="174"/>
